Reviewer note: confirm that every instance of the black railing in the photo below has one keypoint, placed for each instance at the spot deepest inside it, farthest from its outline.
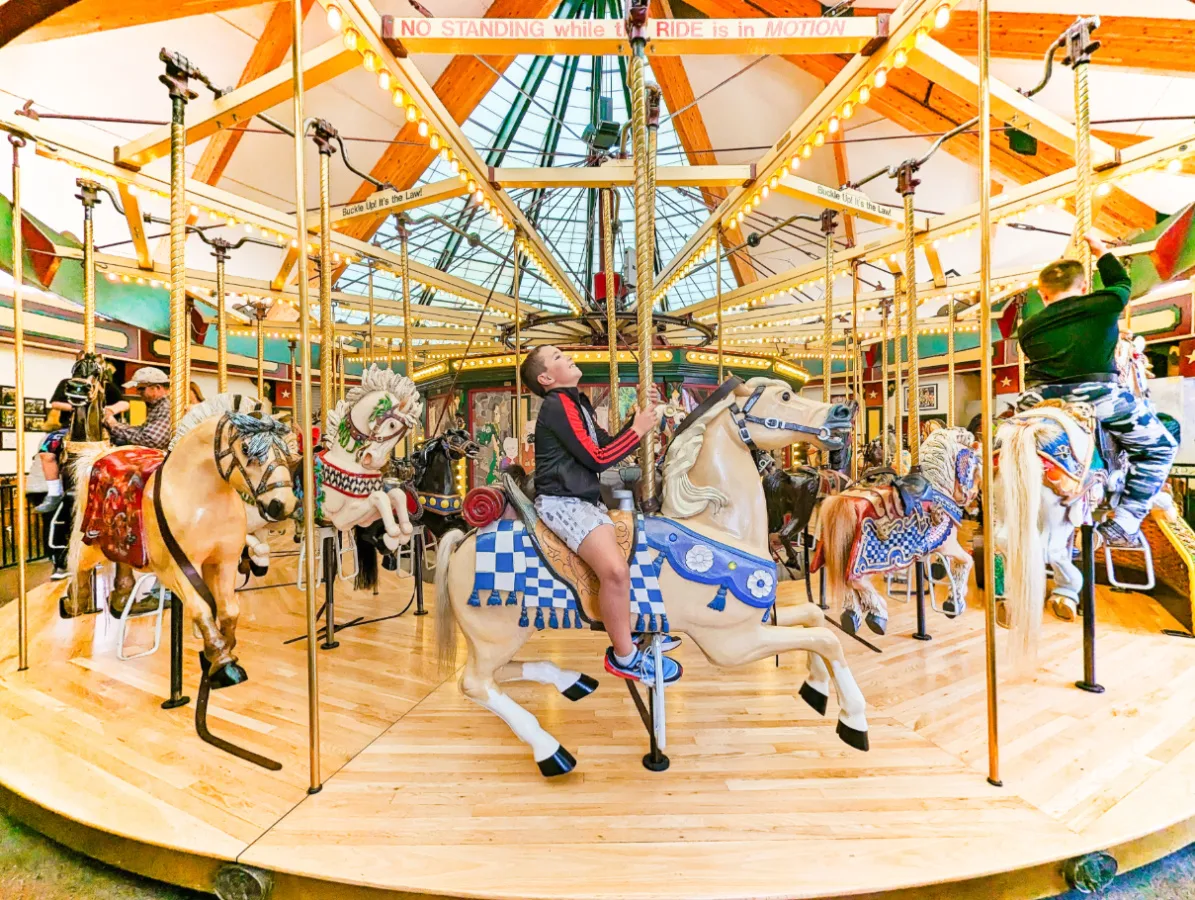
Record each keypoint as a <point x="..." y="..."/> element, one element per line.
<point x="36" y="545"/>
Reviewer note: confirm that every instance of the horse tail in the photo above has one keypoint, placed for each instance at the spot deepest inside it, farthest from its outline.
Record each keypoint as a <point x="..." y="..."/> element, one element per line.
<point x="445" y="633"/>
<point x="367" y="561"/>
<point x="1019" y="498"/>
<point x="838" y="535"/>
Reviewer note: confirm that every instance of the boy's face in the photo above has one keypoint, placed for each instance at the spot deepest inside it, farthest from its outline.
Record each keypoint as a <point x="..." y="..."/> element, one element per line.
<point x="559" y="369"/>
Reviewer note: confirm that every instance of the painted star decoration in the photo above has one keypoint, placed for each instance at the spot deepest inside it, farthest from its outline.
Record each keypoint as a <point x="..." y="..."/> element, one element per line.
<point x="1005" y="381"/>
<point x="284" y="393"/>
<point x="871" y="395"/>
<point x="1191" y="357"/>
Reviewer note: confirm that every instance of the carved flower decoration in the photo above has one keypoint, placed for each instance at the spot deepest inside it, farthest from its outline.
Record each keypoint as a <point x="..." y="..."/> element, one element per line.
<point x="760" y="582"/>
<point x="699" y="558"/>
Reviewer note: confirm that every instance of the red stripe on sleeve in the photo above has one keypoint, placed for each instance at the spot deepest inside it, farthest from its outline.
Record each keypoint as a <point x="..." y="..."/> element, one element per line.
<point x="612" y="452"/>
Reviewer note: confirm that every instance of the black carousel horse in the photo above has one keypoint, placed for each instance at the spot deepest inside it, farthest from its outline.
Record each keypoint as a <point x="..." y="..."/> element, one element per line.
<point x="791" y="496"/>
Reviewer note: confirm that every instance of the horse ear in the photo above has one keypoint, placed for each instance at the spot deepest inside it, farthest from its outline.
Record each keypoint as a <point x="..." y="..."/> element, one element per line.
<point x="742" y="390"/>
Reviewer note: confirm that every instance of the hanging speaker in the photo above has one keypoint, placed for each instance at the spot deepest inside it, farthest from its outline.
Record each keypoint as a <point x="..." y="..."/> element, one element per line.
<point x="1021" y="142"/>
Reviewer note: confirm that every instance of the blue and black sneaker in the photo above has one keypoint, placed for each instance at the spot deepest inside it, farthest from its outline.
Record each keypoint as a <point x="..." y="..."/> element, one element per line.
<point x="643" y="668"/>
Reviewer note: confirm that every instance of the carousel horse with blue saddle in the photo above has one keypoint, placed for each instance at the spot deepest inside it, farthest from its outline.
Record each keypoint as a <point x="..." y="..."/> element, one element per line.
<point x="886" y="523"/>
<point x="703" y="567"/>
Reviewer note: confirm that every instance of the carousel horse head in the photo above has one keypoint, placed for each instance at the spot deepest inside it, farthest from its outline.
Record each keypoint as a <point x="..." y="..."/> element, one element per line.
<point x="90" y="373"/>
<point x="253" y="452"/>
<point x="373" y="417"/>
<point x="460" y="445"/>
<point x="950" y="461"/>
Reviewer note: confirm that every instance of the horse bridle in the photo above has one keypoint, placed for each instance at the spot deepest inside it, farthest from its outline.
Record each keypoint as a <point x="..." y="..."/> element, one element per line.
<point x="741" y="417"/>
<point x="371" y="436"/>
<point x="228" y="454"/>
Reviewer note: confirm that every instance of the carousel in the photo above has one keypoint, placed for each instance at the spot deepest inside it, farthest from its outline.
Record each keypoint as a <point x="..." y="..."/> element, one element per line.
<point x="319" y="642"/>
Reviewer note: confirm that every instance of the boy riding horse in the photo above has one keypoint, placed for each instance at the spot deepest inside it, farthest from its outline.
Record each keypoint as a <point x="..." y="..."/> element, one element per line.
<point x="1069" y="352"/>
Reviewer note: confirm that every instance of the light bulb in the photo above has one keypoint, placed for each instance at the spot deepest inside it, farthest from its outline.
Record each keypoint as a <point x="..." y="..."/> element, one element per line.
<point x="462" y="174"/>
<point x="370" y="60"/>
<point x="384" y="80"/>
<point x="864" y="94"/>
<point x="806" y="151"/>
<point x="900" y="58"/>
<point x="1174" y="166"/>
<point x="335" y="19"/>
<point x="766" y="190"/>
<point x="941" y="16"/>
<point x="848" y="110"/>
<point x="479" y="195"/>
<point x="775" y="180"/>
<point x="444" y="154"/>
<point x="351" y="39"/>
<point x="195" y="210"/>
<point x="832" y="125"/>
<point x="920" y="37"/>
<point x="472" y="185"/>
<point x="424" y="128"/>
<point x="881" y="77"/>
<point x="412" y="113"/>
<point x="434" y="142"/>
<point x="454" y="166"/>
<point x="794" y="164"/>
<point x="819" y="138"/>
<point x="399" y="98"/>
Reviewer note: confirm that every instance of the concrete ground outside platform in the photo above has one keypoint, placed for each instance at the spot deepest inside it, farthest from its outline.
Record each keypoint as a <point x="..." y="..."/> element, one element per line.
<point x="35" y="868"/>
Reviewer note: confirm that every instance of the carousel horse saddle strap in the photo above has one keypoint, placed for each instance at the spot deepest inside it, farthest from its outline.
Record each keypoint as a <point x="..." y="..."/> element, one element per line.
<point x="176" y="552"/>
<point x="1081" y="446"/>
<point x="112" y="519"/>
<point x="696" y="557"/>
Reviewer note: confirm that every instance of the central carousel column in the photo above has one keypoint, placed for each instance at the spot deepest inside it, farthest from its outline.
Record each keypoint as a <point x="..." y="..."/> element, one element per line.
<point x="636" y="28"/>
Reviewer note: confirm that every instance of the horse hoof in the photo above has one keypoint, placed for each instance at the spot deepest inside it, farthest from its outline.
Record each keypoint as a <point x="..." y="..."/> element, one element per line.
<point x="850" y="621"/>
<point x="1063" y="607"/>
<point x="258" y="570"/>
<point x="814" y="698"/>
<point x="853" y="737"/>
<point x="953" y="608"/>
<point x="1001" y="613"/>
<point x="390" y="562"/>
<point x="582" y="687"/>
<point x="878" y="624"/>
<point x="62" y="613"/>
<point x="227" y="675"/>
<point x="559" y="763"/>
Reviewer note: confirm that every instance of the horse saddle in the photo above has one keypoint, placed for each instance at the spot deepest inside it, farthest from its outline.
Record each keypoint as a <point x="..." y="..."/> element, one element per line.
<point x="113" y="519"/>
<point x="566" y="565"/>
<point x="1069" y="471"/>
<point x="913" y="490"/>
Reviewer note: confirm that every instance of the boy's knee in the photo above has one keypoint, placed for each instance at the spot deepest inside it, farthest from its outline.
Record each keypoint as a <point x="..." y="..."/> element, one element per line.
<point x="614" y="573"/>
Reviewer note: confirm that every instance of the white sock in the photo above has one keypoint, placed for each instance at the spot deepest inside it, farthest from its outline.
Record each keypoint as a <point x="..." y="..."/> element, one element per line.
<point x="625" y="660"/>
<point x="1128" y="523"/>
<point x="55" y="487"/>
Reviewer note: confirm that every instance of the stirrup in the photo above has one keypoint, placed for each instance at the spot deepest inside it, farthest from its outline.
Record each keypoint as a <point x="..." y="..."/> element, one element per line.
<point x="144" y="585"/>
<point x="349" y="539"/>
<point x="1145" y="551"/>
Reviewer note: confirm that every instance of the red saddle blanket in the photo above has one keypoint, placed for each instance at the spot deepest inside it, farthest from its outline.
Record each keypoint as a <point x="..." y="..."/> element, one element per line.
<point x="113" y="518"/>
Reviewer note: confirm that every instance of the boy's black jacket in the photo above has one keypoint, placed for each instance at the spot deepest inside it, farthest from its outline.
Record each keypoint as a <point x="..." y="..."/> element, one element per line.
<point x="570" y="448"/>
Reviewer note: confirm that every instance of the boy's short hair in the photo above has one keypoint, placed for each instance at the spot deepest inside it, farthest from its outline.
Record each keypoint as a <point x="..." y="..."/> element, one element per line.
<point x="531" y="369"/>
<point x="1060" y="276"/>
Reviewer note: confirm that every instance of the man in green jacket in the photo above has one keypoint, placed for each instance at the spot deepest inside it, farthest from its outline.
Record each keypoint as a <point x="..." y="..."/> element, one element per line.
<point x="1070" y="351"/>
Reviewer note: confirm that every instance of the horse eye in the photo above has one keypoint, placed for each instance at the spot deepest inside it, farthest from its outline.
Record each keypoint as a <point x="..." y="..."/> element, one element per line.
<point x="786" y="396"/>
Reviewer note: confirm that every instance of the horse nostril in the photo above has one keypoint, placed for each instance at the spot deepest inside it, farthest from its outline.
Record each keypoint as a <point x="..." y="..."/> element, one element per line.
<point x="274" y="509"/>
<point x="840" y="412"/>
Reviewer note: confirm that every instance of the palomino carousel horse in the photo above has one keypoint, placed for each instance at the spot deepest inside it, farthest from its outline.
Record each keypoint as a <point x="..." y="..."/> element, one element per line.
<point x="718" y="585"/>
<point x="886" y="523"/>
<point x="180" y="515"/>
<point x="1055" y="467"/>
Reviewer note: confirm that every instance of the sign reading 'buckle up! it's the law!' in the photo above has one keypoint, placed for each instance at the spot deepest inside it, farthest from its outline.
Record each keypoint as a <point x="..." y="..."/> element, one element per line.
<point x="665" y="37"/>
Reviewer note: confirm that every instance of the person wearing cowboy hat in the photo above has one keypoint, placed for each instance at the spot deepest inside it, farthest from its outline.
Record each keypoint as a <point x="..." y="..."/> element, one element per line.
<point x="154" y="387"/>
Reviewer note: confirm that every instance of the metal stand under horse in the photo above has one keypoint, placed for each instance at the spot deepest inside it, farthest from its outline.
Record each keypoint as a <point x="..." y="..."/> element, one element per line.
<point x="653" y="712"/>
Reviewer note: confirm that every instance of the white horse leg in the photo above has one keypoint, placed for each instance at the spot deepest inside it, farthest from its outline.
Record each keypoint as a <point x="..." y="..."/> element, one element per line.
<point x="738" y="646"/>
<point x="958" y="573"/>
<point x="1059" y="540"/>
<point x="574" y="685"/>
<point x="816" y="689"/>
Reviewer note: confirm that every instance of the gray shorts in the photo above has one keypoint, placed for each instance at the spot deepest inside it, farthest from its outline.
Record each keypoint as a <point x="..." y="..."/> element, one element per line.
<point x="571" y="518"/>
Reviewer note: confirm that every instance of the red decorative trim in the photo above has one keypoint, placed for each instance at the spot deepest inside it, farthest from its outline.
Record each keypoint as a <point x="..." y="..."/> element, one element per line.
<point x="612" y="452"/>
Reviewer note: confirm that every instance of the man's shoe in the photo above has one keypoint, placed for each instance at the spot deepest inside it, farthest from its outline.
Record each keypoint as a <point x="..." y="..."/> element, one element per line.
<point x="60" y="573"/>
<point x="643" y="668"/>
<point x="49" y="505"/>
<point x="1116" y="537"/>
<point x="667" y="644"/>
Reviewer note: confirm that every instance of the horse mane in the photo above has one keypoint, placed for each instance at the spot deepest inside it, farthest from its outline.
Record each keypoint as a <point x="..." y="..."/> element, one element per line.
<point x="218" y="405"/>
<point x="682" y="498"/>
<point x="375" y="378"/>
<point x="938" y="454"/>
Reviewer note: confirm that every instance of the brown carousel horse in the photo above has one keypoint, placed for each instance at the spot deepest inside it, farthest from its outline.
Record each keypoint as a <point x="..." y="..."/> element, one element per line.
<point x="180" y="515"/>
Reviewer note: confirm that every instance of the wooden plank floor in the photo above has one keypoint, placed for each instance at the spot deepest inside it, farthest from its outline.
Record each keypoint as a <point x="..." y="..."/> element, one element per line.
<point x="427" y="792"/>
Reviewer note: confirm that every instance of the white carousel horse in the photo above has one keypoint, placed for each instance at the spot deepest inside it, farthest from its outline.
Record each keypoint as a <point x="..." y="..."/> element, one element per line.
<point x="871" y="530"/>
<point x="712" y="485"/>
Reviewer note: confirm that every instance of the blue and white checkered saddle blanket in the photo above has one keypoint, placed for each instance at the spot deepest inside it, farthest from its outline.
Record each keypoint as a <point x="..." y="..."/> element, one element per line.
<point x="510" y="570"/>
<point x="887" y="544"/>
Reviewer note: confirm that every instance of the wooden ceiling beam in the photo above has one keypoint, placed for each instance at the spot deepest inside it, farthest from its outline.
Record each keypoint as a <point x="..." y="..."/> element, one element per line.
<point x="93" y="16"/>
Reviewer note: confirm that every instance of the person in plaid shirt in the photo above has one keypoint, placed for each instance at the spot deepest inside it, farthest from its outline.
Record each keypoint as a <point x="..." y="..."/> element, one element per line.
<point x="154" y="388"/>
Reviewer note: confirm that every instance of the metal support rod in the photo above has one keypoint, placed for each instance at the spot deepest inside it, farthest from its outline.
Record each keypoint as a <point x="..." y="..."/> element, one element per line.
<point x="408" y="352"/>
<point x="294" y="387"/>
<point x="908" y="186"/>
<point x="1017" y="340"/>
<point x="261" y="357"/>
<point x="898" y="399"/>
<point x="221" y="254"/>
<point x="985" y="386"/>
<point x="176" y="698"/>
<point x="1083" y="188"/>
<point x="920" y="634"/>
<point x="330" y="560"/>
<point x="1088" y="683"/>
<point x="21" y="538"/>
<point x="950" y="415"/>
<point x="857" y="374"/>
<point x="884" y="381"/>
<point x="417" y="551"/>
<point x="517" y="418"/>
<point x="644" y="240"/>
<point x="611" y="303"/>
<point x="369" y="337"/>
<point x="718" y="280"/>
<point x="313" y="730"/>
<point x="89" y="195"/>
<point x="341" y="374"/>
<point x="828" y="314"/>
<point x="327" y="352"/>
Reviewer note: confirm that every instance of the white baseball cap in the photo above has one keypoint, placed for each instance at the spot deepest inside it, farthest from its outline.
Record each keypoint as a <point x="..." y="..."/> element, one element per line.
<point x="147" y="375"/>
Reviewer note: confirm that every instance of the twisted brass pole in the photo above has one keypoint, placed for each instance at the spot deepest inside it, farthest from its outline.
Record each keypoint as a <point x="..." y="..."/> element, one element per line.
<point x="897" y="359"/>
<point x="88" y="196"/>
<point x="1083" y="213"/>
<point x="828" y="315"/>
<point x="518" y="416"/>
<point x="1020" y="352"/>
<point x="180" y="328"/>
<point x="950" y="417"/>
<point x="611" y="303"/>
<point x="856" y="372"/>
<point x="327" y="353"/>
<point x="294" y="388"/>
<point x="408" y="352"/>
<point x="985" y="358"/>
<point x="313" y="729"/>
<point x="369" y="285"/>
<point x="222" y="325"/>
<point x="643" y="251"/>
<point x="911" y="302"/>
<point x="261" y="356"/>
<point x="18" y="351"/>
<point x="884" y="380"/>
<point x="718" y="280"/>
<point x="343" y="374"/>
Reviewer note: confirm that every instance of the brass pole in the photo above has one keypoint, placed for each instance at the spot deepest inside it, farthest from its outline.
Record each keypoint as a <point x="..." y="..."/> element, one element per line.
<point x="1021" y="353"/>
<point x="856" y="372"/>
<point x="343" y="373"/>
<point x="294" y="388"/>
<point x="261" y="356"/>
<point x="611" y="302"/>
<point x="369" y="283"/>
<point x="221" y="255"/>
<point x="718" y="279"/>
<point x="884" y="380"/>
<point x="313" y="735"/>
<point x="18" y="352"/>
<point x="177" y="73"/>
<point x="897" y="354"/>
<point x="950" y="414"/>
<point x="1083" y="214"/>
<point x="518" y="411"/>
<point x="327" y="354"/>
<point x="408" y="352"/>
<point x="643" y="238"/>
<point x="88" y="193"/>
<point x="908" y="186"/>
<point x="985" y="357"/>
<point x="828" y="314"/>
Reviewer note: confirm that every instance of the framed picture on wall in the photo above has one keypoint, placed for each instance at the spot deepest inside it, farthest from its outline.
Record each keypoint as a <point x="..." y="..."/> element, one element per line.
<point x="928" y="397"/>
<point x="8" y="395"/>
<point x="8" y="419"/>
<point x="8" y="440"/>
<point x="35" y="423"/>
<point x="35" y="406"/>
